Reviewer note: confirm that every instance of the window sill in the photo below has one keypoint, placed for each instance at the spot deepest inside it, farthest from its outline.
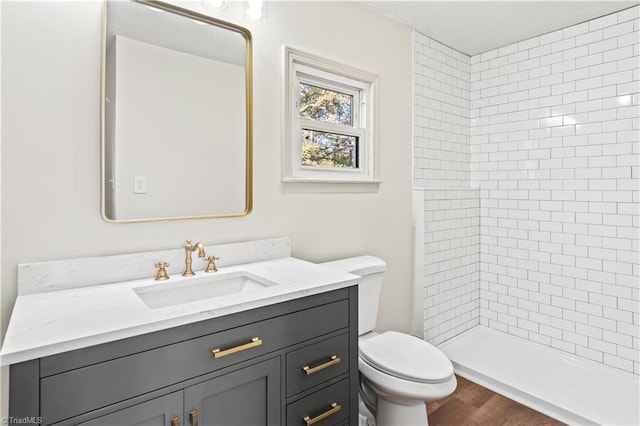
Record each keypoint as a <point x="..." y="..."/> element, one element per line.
<point x="335" y="186"/>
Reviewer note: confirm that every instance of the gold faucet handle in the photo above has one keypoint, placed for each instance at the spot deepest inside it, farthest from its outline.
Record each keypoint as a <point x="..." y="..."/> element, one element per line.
<point x="211" y="266"/>
<point x="162" y="272"/>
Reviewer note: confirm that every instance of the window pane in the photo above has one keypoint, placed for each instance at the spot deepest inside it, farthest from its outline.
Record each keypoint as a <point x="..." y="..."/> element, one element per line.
<point x="317" y="103"/>
<point x="322" y="149"/>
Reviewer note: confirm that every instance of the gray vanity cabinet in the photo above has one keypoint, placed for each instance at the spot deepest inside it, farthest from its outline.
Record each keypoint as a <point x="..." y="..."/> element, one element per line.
<point x="292" y="363"/>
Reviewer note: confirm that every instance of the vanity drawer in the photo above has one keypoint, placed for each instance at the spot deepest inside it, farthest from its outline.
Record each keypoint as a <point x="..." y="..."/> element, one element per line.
<point x="330" y="406"/>
<point x="74" y="392"/>
<point x="317" y="363"/>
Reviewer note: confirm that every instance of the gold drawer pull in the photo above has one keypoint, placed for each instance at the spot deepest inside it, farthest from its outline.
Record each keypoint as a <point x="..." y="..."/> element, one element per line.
<point x="219" y="353"/>
<point x="193" y="418"/>
<point x="175" y="421"/>
<point x="334" y="409"/>
<point x="333" y="361"/>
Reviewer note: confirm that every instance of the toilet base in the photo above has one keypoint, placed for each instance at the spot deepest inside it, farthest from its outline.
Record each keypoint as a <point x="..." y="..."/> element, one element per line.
<point x="390" y="413"/>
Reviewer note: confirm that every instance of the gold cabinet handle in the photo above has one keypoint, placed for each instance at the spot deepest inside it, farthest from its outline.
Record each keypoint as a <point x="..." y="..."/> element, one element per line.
<point x="175" y="421"/>
<point x="193" y="418"/>
<point x="334" y="409"/>
<point x="219" y="353"/>
<point x="332" y="361"/>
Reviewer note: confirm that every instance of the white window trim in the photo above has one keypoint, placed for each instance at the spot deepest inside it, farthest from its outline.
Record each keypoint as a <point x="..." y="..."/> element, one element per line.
<point x="300" y="178"/>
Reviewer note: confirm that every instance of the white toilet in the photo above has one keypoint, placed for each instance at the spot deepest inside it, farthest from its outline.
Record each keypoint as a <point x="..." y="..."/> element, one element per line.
<point x="403" y="371"/>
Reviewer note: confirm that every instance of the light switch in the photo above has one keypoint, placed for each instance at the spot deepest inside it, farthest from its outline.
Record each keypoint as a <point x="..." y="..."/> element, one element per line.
<point x="139" y="184"/>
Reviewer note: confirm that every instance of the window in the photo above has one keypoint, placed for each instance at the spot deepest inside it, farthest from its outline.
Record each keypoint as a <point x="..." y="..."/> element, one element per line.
<point x="329" y="122"/>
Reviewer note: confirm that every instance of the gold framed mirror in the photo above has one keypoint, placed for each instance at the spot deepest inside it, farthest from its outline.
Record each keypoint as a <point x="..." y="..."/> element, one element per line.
<point x="176" y="114"/>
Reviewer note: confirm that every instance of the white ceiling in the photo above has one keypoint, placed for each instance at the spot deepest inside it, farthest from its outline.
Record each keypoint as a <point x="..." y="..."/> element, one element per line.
<point x="474" y="27"/>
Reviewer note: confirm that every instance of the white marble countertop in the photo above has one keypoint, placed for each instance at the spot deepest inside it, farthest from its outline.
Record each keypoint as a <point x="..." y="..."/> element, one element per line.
<point x="52" y="322"/>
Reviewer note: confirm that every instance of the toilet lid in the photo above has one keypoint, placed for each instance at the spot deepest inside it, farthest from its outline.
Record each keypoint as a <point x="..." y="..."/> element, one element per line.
<point x="406" y="357"/>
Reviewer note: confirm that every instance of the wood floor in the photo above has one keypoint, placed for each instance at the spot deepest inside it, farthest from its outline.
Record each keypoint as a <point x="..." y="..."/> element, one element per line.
<point x="474" y="405"/>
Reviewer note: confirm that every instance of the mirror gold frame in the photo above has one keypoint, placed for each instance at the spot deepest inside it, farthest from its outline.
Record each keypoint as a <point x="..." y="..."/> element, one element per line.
<point x="248" y="103"/>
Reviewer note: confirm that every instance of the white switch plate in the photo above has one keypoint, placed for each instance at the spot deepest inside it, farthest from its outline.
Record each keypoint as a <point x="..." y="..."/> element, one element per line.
<point x="139" y="184"/>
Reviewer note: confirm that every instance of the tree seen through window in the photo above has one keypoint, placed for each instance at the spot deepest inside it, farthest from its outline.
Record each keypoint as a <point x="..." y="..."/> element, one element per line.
<point x="325" y="149"/>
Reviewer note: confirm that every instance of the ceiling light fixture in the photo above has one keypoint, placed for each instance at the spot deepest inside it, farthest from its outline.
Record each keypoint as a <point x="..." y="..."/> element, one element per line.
<point x="254" y="9"/>
<point x="215" y="4"/>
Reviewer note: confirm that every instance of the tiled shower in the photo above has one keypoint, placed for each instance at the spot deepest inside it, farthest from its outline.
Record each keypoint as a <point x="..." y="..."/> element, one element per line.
<point x="528" y="157"/>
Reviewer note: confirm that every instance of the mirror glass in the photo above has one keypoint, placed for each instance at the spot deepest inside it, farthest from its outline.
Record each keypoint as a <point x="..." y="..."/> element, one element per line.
<point x="176" y="114"/>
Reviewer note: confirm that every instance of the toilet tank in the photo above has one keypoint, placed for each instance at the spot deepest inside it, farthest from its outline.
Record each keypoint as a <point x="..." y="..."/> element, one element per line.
<point x="371" y="269"/>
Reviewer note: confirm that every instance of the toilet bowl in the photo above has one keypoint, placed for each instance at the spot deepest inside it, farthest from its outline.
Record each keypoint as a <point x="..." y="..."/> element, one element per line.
<point x="403" y="371"/>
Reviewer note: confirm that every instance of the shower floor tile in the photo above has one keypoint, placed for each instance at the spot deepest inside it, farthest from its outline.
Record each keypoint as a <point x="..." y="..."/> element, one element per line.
<point x="471" y="404"/>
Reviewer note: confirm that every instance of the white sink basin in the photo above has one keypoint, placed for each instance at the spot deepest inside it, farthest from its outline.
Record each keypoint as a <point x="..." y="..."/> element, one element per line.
<point x="199" y="288"/>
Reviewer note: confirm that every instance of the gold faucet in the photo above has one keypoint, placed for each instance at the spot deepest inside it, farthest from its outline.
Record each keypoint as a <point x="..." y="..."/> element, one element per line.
<point x="190" y="248"/>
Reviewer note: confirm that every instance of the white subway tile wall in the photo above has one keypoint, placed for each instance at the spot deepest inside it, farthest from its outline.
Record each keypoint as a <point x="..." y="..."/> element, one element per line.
<point x="555" y="146"/>
<point x="441" y="115"/>
<point x="442" y="153"/>
<point x="554" y="150"/>
<point x="452" y="271"/>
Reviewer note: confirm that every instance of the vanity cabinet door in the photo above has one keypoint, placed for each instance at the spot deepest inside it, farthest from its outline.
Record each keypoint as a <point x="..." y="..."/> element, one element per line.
<point x="157" y="412"/>
<point x="246" y="397"/>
